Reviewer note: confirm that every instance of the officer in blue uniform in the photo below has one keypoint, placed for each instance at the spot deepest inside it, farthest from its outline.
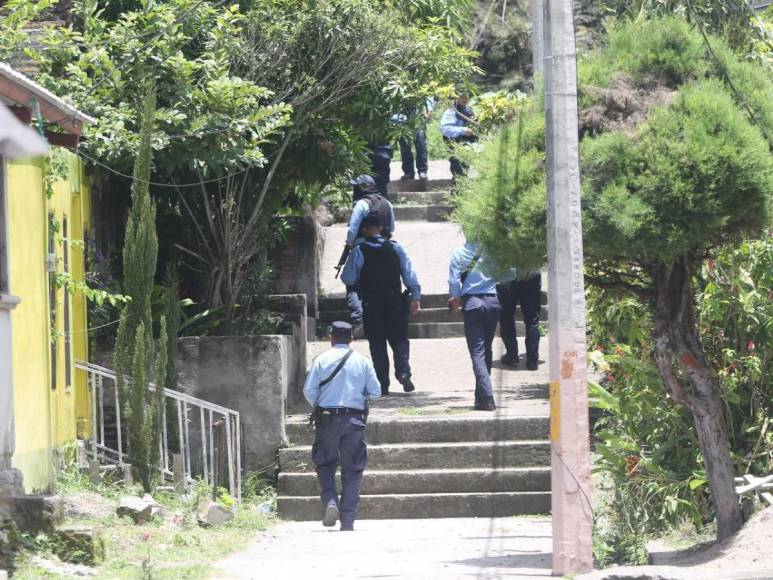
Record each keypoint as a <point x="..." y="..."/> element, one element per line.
<point x="367" y="202"/>
<point x="377" y="266"/>
<point x="456" y="127"/>
<point x="339" y="385"/>
<point x="474" y="290"/>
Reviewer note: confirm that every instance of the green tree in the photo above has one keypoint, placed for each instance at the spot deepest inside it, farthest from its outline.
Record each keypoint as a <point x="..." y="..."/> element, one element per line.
<point x="137" y="359"/>
<point x="683" y="168"/>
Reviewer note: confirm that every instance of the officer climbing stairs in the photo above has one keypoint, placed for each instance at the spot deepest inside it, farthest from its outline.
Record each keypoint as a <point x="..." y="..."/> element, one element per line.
<point x="429" y="454"/>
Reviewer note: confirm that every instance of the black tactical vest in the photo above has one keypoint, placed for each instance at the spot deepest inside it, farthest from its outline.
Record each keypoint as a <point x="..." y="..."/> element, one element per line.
<point x="380" y="272"/>
<point x="379" y="207"/>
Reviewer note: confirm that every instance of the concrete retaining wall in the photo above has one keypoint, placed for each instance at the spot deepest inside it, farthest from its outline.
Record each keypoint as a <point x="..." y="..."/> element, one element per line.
<point x="258" y="376"/>
<point x="247" y="374"/>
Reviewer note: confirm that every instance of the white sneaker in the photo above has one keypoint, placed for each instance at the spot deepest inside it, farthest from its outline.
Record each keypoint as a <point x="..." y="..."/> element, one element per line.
<point x="422" y="175"/>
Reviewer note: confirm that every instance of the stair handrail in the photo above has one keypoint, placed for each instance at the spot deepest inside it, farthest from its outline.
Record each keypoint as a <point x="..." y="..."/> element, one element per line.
<point x="184" y="402"/>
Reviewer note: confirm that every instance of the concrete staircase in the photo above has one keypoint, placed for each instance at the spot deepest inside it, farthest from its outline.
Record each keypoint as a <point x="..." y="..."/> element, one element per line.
<point x="432" y="468"/>
<point x="429" y="454"/>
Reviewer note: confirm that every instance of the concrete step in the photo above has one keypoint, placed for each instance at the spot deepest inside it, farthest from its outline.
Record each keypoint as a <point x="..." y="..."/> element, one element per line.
<point x="429" y="505"/>
<point x="486" y="454"/>
<point x="427" y="213"/>
<point x="423" y="315"/>
<point x="438" y="197"/>
<point x="428" y="301"/>
<point x="429" y="481"/>
<point x="402" y="429"/>
<point x="399" y="185"/>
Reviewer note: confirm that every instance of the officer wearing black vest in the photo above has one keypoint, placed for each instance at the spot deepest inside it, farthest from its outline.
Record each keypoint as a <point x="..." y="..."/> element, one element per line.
<point x="379" y="267"/>
<point x="367" y="202"/>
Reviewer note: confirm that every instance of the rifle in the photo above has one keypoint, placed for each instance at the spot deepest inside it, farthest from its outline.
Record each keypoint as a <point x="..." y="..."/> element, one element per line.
<point x="467" y="119"/>
<point x="342" y="259"/>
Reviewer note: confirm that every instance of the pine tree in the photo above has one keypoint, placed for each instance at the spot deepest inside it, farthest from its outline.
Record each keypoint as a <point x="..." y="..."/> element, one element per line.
<point x="138" y="360"/>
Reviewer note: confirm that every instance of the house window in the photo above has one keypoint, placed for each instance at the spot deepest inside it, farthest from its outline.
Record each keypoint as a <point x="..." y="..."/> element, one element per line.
<point x="52" y="295"/>
<point x="4" y="289"/>
<point x="66" y="313"/>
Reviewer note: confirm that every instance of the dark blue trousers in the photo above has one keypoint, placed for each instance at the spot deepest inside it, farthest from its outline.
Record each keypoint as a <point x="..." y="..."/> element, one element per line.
<point x="528" y="293"/>
<point x="341" y="441"/>
<point x="420" y="140"/>
<point x="385" y="319"/>
<point x="481" y="316"/>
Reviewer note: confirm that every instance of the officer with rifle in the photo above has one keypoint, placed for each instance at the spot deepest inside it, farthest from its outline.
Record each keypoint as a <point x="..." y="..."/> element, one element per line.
<point x="379" y="267"/>
<point x="338" y="387"/>
<point x="456" y="126"/>
<point x="367" y="202"/>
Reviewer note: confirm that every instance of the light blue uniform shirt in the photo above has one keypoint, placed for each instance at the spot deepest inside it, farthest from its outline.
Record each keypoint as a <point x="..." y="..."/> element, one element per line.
<point x="352" y="386"/>
<point x="356" y="261"/>
<point x="477" y="280"/>
<point x="452" y="125"/>
<point x="362" y="209"/>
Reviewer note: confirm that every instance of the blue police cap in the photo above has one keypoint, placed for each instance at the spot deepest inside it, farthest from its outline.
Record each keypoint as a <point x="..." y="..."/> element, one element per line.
<point x="363" y="181"/>
<point x="341" y="329"/>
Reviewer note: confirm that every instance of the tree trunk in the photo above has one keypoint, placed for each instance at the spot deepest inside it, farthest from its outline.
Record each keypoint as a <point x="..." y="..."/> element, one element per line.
<point x="676" y="343"/>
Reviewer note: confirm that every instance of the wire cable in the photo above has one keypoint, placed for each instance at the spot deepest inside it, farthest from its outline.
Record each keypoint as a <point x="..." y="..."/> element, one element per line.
<point x="158" y="183"/>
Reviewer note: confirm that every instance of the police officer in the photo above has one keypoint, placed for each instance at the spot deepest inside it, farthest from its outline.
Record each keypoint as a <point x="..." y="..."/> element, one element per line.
<point x="377" y="266"/>
<point x="528" y="292"/>
<point x="456" y="127"/>
<point x="475" y="291"/>
<point x="338" y="386"/>
<point x="367" y="202"/>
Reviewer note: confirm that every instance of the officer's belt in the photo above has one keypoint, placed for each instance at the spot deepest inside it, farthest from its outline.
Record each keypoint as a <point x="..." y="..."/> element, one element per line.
<point x="341" y="410"/>
<point x="478" y="295"/>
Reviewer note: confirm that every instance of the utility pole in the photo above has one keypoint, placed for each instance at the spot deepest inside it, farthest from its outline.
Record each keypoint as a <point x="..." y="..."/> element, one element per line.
<point x="570" y="444"/>
<point x="537" y="35"/>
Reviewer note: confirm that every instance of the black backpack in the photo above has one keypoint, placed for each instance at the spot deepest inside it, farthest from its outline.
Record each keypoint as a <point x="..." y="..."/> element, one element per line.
<point x="379" y="208"/>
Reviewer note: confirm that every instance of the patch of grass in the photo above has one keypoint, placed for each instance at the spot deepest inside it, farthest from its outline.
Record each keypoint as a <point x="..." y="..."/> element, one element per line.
<point x="172" y="546"/>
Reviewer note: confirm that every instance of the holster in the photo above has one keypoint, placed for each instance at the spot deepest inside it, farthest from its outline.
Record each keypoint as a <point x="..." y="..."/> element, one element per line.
<point x="319" y="418"/>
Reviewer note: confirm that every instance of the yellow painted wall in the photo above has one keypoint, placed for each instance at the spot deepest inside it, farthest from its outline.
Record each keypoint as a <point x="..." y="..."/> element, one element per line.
<point x="46" y="416"/>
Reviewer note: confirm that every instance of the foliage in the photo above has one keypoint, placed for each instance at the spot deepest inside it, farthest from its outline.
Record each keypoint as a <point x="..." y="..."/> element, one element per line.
<point x="660" y="192"/>
<point x="137" y="359"/>
<point x="504" y="207"/>
<point x="735" y="322"/>
<point x="15" y="16"/>
<point x="505" y="44"/>
<point x="647" y="446"/>
<point x="304" y="84"/>
<point x="729" y="18"/>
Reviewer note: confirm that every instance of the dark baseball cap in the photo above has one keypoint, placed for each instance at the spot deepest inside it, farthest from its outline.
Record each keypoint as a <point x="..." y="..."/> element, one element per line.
<point x="363" y="181"/>
<point x="340" y="329"/>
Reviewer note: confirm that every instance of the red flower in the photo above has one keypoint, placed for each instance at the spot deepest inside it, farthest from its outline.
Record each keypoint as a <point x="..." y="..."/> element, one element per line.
<point x="145" y="536"/>
<point x="750" y="345"/>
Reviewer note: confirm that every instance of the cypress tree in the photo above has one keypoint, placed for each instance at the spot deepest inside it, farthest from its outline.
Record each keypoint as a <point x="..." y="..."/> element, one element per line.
<point x="137" y="359"/>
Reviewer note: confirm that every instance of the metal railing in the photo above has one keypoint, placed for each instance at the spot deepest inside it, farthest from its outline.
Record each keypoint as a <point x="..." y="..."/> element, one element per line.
<point x="207" y="436"/>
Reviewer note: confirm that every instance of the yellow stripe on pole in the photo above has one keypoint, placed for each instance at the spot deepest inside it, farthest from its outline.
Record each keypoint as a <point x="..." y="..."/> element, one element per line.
<point x="555" y="411"/>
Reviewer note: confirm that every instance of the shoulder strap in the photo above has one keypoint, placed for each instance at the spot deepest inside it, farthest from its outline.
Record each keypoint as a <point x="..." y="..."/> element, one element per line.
<point x="338" y="368"/>
<point x="471" y="265"/>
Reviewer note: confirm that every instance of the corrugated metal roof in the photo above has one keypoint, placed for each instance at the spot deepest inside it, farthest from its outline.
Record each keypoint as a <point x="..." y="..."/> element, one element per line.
<point x="43" y="93"/>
